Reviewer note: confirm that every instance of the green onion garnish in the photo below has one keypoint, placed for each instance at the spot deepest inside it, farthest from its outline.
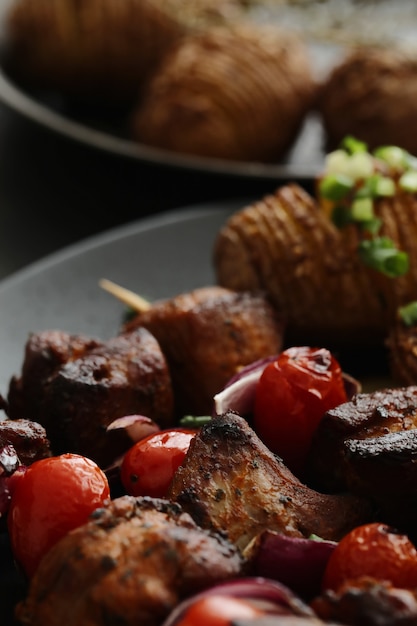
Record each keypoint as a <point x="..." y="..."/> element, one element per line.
<point x="408" y="313"/>
<point x="194" y="421"/>
<point x="408" y="181"/>
<point x="353" y="145"/>
<point x="395" y="157"/>
<point x="371" y="226"/>
<point x="382" y="255"/>
<point x="335" y="186"/>
<point x="362" y="210"/>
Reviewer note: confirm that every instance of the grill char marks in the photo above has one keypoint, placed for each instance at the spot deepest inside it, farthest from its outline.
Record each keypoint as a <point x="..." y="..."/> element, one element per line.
<point x="76" y="386"/>
<point x="231" y="480"/>
<point x="369" y="446"/>
<point x="131" y="564"/>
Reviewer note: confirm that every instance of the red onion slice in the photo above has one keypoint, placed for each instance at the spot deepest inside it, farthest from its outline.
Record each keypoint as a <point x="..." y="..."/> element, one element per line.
<point x="239" y="393"/>
<point x="296" y="562"/>
<point x="269" y="595"/>
<point x="136" y="427"/>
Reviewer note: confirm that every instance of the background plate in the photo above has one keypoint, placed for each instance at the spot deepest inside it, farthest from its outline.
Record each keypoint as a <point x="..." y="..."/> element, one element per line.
<point x="328" y="27"/>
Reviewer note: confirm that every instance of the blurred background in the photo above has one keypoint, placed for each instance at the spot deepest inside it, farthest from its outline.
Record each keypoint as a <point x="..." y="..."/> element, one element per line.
<point x="59" y="185"/>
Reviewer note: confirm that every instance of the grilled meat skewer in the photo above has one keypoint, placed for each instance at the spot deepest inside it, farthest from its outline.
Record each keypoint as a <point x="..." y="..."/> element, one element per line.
<point x="207" y="335"/>
<point x="130" y="564"/>
<point x="369" y="446"/>
<point x="231" y="480"/>
<point x="75" y="386"/>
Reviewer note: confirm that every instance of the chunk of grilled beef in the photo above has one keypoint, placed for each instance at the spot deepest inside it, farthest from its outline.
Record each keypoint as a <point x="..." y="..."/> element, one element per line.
<point x="75" y="387"/>
<point x="369" y="446"/>
<point x="367" y="602"/>
<point x="130" y="564"/>
<point x="231" y="480"/>
<point x="28" y="438"/>
<point x="207" y="335"/>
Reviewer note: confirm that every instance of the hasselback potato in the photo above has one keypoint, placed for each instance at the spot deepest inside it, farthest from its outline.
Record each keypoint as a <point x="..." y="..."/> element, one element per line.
<point x="100" y="50"/>
<point x="232" y="93"/>
<point x="371" y="94"/>
<point x="314" y="270"/>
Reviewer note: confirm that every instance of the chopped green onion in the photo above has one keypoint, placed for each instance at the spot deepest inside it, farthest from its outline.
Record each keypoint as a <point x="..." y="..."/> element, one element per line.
<point x="362" y="210"/>
<point x="408" y="181"/>
<point x="353" y="145"/>
<point x="408" y="313"/>
<point x="360" y="166"/>
<point x="411" y="161"/>
<point x="394" y="156"/>
<point x="371" y="226"/>
<point x="335" y="162"/>
<point x="194" y="421"/>
<point x="335" y="186"/>
<point x="384" y="186"/>
<point x="382" y="255"/>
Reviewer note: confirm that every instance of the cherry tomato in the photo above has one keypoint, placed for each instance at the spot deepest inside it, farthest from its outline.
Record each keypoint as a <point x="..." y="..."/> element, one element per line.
<point x="149" y="465"/>
<point x="52" y="497"/>
<point x="218" y="611"/>
<point x="372" y="550"/>
<point x="291" y="397"/>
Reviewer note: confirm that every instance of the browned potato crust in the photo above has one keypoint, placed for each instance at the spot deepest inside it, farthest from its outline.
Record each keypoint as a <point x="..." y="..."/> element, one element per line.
<point x="287" y="246"/>
<point x="100" y="50"/>
<point x="371" y="94"/>
<point x="231" y="93"/>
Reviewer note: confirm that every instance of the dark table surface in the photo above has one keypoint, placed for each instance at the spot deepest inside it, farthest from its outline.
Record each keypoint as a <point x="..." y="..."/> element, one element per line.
<point x="55" y="191"/>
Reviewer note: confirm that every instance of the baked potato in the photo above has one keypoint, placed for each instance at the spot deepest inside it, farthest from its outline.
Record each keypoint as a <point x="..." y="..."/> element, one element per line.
<point x="236" y="93"/>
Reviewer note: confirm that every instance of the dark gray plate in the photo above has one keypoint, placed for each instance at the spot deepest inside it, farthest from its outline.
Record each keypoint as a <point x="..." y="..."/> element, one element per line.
<point x="156" y="257"/>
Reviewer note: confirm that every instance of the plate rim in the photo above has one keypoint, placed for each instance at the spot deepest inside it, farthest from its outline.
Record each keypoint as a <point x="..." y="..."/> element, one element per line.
<point x="46" y="117"/>
<point x="132" y="228"/>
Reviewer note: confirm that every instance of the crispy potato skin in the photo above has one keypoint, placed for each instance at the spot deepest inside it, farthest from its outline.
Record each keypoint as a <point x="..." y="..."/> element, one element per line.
<point x="311" y="271"/>
<point x="371" y="95"/>
<point x="100" y="51"/>
<point x="237" y="93"/>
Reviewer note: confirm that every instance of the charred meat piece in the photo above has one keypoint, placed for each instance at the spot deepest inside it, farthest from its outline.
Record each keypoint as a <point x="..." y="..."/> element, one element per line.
<point x="131" y="564"/>
<point x="285" y="245"/>
<point x="366" y="602"/>
<point x="207" y="335"/>
<point x="239" y="93"/>
<point x="75" y="392"/>
<point x="231" y="480"/>
<point x="28" y="438"/>
<point x="45" y="353"/>
<point x="371" y="95"/>
<point x="369" y="446"/>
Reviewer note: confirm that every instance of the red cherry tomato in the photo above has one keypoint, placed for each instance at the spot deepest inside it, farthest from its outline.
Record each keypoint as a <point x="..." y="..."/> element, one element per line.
<point x="373" y="550"/>
<point x="148" y="466"/>
<point x="291" y="397"/>
<point x="218" y="611"/>
<point x="51" y="498"/>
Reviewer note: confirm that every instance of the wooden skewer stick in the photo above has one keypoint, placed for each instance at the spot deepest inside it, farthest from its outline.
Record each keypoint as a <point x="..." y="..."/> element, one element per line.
<point x="130" y="298"/>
